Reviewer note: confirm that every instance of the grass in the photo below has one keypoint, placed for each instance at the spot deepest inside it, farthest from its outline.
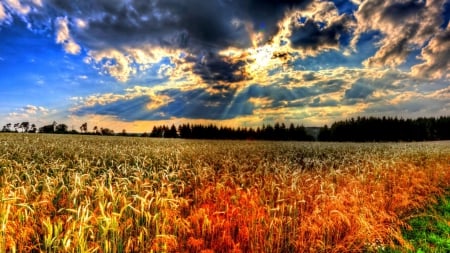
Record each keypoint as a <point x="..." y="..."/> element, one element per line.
<point x="118" y="194"/>
<point x="429" y="230"/>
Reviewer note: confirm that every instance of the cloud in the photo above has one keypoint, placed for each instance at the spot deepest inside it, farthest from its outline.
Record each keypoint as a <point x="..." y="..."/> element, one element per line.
<point x="215" y="68"/>
<point x="113" y="62"/>
<point x="224" y="60"/>
<point x="405" y="26"/>
<point x="16" y="6"/>
<point x="31" y="113"/>
<point x="32" y="109"/>
<point x="63" y="36"/>
<point x="359" y="90"/>
<point x="318" y="28"/>
<point x="315" y="35"/>
<point x="3" y="15"/>
<point x="195" y="104"/>
<point x="196" y="28"/>
<point x="436" y="57"/>
<point x="10" y="9"/>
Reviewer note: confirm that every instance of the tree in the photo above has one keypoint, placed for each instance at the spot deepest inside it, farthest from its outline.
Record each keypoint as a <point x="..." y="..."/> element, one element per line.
<point x="7" y="128"/>
<point x="84" y="127"/>
<point x="16" y="126"/>
<point x="324" y="134"/>
<point x="172" y="132"/>
<point x="61" y="128"/>
<point x="47" y="129"/>
<point x="25" y="126"/>
<point x="106" y="131"/>
<point x="33" y="128"/>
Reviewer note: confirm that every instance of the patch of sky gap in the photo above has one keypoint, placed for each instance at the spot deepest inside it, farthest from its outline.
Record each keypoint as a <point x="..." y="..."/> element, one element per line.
<point x="345" y="6"/>
<point x="445" y="15"/>
<point x="411" y="60"/>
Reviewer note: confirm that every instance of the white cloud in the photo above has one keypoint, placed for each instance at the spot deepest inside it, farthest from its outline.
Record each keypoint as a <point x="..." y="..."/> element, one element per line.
<point x="32" y="109"/>
<point x="121" y="64"/>
<point x="38" y="2"/>
<point x="405" y="26"/>
<point x="436" y="57"/>
<point x="3" y="15"/>
<point x="114" y="62"/>
<point x="18" y="7"/>
<point x="63" y="36"/>
<point x="80" y="23"/>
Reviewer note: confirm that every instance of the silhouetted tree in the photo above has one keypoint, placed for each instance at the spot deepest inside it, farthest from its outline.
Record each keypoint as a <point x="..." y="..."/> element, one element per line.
<point x="387" y="129"/>
<point x="47" y="129"/>
<point x="7" y="128"/>
<point x="172" y="132"/>
<point x="61" y="128"/>
<point x="106" y="131"/>
<point x="33" y="128"/>
<point x="280" y="132"/>
<point x="84" y="128"/>
<point x="25" y="126"/>
<point x="324" y="134"/>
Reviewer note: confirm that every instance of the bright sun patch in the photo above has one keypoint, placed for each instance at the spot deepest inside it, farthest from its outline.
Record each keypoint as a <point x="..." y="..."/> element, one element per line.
<point x="261" y="57"/>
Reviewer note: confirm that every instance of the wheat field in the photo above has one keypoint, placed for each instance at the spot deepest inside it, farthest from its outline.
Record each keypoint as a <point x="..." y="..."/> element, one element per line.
<point x="63" y="193"/>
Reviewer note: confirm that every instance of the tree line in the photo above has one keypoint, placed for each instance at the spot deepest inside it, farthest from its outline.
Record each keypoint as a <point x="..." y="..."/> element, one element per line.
<point x="360" y="129"/>
<point x="61" y="128"/>
<point x="365" y="129"/>
<point x="267" y="132"/>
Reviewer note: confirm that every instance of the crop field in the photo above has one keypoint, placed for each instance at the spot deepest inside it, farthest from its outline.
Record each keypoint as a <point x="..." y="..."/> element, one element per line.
<point x="62" y="193"/>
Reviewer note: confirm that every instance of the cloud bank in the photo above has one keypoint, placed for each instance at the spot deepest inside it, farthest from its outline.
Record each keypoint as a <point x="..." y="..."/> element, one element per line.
<point x="228" y="59"/>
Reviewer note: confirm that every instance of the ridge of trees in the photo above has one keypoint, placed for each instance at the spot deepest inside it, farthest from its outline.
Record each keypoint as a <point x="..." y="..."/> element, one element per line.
<point x="365" y="129"/>
<point x="360" y="129"/>
<point x="267" y="132"/>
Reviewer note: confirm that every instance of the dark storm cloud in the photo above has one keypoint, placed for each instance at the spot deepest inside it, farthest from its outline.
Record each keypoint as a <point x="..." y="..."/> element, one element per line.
<point x="264" y="14"/>
<point x="174" y="23"/>
<point x="169" y="23"/>
<point x="399" y="11"/>
<point x="391" y="11"/>
<point x="202" y="28"/>
<point x="213" y="68"/>
<point x="313" y="35"/>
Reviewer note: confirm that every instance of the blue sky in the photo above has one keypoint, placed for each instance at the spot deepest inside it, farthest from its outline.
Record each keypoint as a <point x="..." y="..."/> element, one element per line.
<point x="134" y="64"/>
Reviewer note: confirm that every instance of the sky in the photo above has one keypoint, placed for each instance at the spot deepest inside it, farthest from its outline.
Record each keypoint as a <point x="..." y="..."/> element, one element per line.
<point x="133" y="64"/>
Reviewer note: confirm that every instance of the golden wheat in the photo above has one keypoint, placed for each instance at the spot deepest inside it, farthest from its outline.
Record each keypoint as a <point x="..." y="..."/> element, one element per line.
<point x="117" y="194"/>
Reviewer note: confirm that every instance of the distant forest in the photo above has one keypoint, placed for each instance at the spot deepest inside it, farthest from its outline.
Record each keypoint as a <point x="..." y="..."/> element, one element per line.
<point x="361" y="129"/>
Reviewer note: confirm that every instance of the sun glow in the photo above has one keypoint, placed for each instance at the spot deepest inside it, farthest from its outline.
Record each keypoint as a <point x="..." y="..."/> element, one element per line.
<point x="260" y="58"/>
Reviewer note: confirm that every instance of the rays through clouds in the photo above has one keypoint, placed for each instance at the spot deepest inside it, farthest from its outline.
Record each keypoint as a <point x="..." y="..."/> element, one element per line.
<point x="138" y="63"/>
